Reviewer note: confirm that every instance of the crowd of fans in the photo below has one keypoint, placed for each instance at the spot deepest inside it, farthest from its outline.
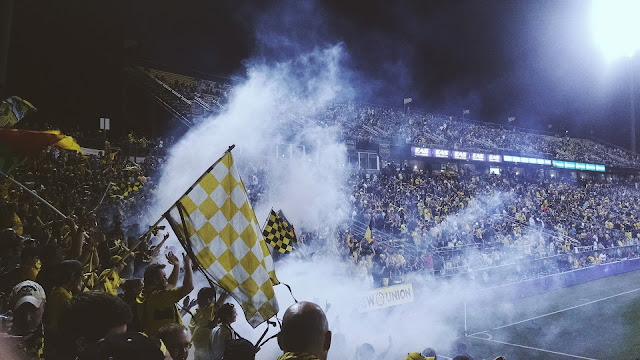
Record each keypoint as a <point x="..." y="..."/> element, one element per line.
<point x="201" y="93"/>
<point x="99" y="263"/>
<point x="448" y="223"/>
<point x="371" y="123"/>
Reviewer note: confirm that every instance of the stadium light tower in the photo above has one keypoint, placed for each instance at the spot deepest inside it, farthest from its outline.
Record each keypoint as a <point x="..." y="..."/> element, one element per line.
<point x="615" y="29"/>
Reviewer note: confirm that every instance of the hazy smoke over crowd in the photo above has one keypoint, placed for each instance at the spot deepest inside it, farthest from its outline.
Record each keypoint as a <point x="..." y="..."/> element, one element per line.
<point x="267" y="110"/>
<point x="274" y="106"/>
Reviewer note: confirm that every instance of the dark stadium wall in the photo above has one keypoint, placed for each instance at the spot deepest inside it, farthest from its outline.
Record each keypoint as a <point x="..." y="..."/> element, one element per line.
<point x="66" y="58"/>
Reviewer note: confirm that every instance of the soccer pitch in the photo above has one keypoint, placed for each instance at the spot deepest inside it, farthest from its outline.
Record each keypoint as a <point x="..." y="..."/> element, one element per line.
<point x="595" y="320"/>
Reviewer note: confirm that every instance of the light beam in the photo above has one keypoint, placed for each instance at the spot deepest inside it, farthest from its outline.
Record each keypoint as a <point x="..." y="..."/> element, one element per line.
<point x="615" y="27"/>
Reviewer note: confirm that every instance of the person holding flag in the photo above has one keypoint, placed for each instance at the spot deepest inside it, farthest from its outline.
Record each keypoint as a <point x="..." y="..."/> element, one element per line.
<point x="215" y="223"/>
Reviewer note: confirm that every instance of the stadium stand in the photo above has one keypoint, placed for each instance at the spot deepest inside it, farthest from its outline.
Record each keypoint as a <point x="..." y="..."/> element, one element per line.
<point x="423" y="222"/>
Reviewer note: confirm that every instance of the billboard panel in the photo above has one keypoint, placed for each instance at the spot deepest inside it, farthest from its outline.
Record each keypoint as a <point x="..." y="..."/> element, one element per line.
<point x="439" y="153"/>
<point x="418" y="151"/>
<point x="461" y="155"/>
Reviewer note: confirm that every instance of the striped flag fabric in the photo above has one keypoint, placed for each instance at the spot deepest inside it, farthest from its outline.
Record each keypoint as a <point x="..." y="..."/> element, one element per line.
<point x="13" y="110"/>
<point x="125" y="189"/>
<point x="17" y="145"/>
<point x="214" y="221"/>
<point x="367" y="234"/>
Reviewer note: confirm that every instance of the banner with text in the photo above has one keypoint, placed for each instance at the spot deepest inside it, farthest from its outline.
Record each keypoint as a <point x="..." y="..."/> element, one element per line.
<point x="387" y="296"/>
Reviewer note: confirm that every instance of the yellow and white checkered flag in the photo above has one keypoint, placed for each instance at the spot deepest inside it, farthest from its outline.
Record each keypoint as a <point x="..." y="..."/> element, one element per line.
<point x="223" y="234"/>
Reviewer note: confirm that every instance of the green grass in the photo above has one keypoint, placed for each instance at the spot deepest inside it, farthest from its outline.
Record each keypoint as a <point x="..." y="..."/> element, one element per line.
<point x="595" y="320"/>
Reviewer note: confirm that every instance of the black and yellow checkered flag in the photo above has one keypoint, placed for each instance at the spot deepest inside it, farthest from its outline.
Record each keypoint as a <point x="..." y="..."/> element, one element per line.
<point x="125" y="189"/>
<point x="279" y="233"/>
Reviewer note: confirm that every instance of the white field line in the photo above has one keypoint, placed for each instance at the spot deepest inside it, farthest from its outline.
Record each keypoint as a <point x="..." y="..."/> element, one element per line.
<point x="559" y="311"/>
<point x="569" y="308"/>
<point x="532" y="348"/>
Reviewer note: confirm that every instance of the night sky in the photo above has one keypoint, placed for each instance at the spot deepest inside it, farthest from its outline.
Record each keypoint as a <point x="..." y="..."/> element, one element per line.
<point x="535" y="60"/>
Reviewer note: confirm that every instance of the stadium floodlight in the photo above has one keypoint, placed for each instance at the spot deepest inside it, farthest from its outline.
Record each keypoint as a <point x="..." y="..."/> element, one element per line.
<point x="616" y="27"/>
<point x="616" y="30"/>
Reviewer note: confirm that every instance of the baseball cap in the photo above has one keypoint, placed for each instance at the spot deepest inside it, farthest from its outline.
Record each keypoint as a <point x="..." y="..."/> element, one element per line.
<point x="27" y="292"/>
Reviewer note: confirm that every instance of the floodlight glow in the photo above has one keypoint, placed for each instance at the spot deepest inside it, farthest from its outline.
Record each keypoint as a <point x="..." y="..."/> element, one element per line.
<point x="616" y="27"/>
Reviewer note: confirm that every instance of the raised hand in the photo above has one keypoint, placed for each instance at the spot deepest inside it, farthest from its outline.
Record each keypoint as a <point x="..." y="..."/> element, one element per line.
<point x="172" y="259"/>
<point x="187" y="260"/>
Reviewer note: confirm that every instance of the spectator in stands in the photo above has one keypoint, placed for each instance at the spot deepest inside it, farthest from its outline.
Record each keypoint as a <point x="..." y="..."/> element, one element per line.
<point x="50" y="255"/>
<point x="126" y="346"/>
<point x="26" y="338"/>
<point x="461" y="347"/>
<point x="27" y="270"/>
<point x="176" y="339"/>
<point x="305" y="332"/>
<point x="109" y="279"/>
<point x="429" y="354"/>
<point x="367" y="351"/>
<point x="202" y="321"/>
<point x="69" y="282"/>
<point x="156" y="305"/>
<point x="91" y="316"/>
<point x="132" y="289"/>
<point x="222" y="333"/>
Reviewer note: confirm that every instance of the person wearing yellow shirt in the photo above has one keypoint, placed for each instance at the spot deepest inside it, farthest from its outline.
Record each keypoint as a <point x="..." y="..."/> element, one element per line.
<point x="156" y="304"/>
<point x="110" y="278"/>
<point x="27" y="270"/>
<point x="17" y="224"/>
<point x="68" y="282"/>
<point x="202" y="321"/>
<point x="596" y="259"/>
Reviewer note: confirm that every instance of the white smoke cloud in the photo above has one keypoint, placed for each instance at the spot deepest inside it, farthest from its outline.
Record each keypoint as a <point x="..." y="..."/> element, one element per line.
<point x="434" y="319"/>
<point x="265" y="110"/>
<point x="274" y="105"/>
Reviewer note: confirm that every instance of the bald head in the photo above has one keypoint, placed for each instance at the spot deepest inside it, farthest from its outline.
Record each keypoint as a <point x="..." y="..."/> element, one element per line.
<point x="305" y="329"/>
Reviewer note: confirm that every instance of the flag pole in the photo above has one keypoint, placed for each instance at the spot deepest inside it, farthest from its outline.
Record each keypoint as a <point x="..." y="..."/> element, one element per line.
<point x="203" y="174"/>
<point x="163" y="217"/>
<point x="266" y="220"/>
<point x="152" y="227"/>
<point x="34" y="194"/>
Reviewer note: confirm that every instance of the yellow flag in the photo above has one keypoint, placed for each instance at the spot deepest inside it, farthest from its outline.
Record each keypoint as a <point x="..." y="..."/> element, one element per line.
<point x="215" y="222"/>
